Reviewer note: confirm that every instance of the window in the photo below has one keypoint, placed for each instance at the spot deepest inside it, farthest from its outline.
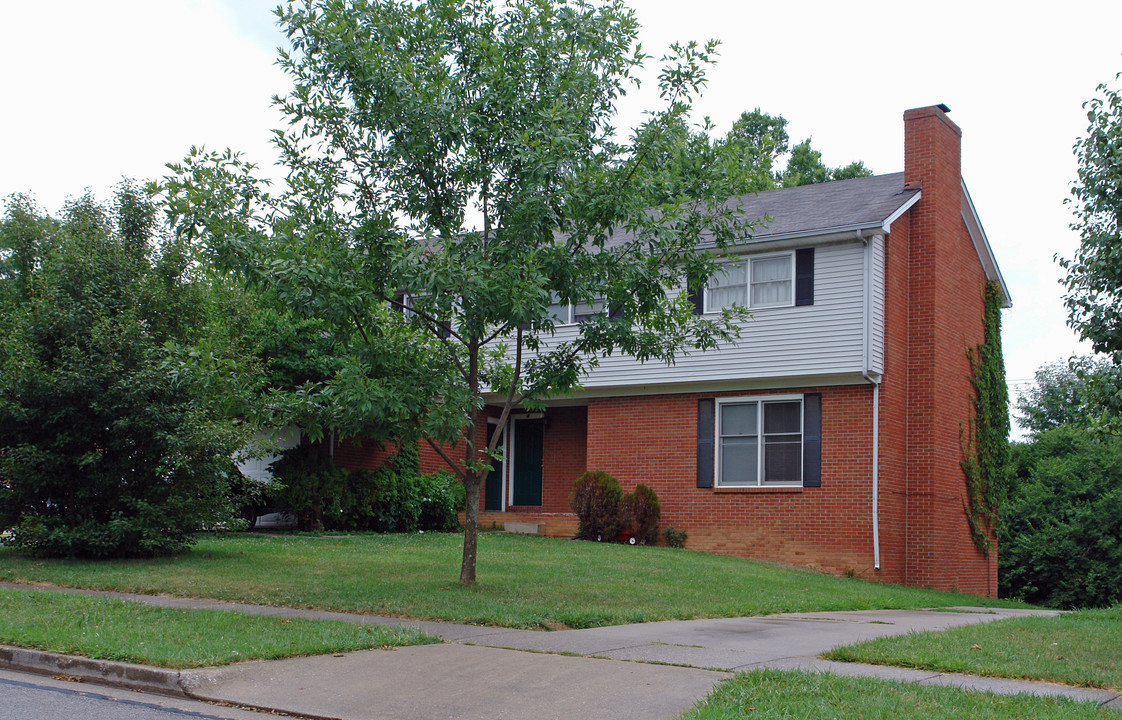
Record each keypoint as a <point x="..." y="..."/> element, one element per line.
<point x="767" y="281"/>
<point x="759" y="441"/>
<point x="568" y="314"/>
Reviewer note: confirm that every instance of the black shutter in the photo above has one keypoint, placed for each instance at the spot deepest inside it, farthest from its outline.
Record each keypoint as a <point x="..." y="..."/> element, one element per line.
<point x="705" y="422"/>
<point x="697" y="298"/>
<point x="804" y="276"/>
<point x="812" y="440"/>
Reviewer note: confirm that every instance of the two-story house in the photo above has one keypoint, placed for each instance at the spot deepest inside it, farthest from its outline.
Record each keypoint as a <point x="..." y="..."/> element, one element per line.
<point x="830" y="434"/>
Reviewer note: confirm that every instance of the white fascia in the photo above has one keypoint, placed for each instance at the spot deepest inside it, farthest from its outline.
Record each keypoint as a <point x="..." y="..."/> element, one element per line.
<point x="982" y="246"/>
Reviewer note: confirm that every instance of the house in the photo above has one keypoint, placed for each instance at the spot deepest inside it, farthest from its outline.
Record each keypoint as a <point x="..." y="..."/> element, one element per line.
<point x="830" y="435"/>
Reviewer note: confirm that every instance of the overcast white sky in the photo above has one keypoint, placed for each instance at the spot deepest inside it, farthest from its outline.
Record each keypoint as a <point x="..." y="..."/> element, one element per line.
<point x="94" y="91"/>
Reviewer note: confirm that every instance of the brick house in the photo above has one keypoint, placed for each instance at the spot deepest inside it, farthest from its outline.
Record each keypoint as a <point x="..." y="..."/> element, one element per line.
<point x="829" y="434"/>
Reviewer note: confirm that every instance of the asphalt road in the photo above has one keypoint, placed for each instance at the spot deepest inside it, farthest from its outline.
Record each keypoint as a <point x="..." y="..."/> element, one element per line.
<point x="26" y="696"/>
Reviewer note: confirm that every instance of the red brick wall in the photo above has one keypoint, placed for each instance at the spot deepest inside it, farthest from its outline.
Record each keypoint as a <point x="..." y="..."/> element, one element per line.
<point x="653" y="440"/>
<point x="945" y="319"/>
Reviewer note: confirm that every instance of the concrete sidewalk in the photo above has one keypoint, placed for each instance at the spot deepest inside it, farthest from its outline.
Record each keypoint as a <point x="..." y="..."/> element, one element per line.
<point x="655" y="670"/>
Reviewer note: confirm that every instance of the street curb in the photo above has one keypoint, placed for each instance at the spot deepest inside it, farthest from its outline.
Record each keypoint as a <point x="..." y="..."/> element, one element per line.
<point x="107" y="672"/>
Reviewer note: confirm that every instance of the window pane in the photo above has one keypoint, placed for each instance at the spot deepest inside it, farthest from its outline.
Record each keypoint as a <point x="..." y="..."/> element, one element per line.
<point x="738" y="419"/>
<point x="582" y="311"/>
<point x="728" y="287"/>
<point x="558" y="310"/>
<point x="782" y="461"/>
<point x="783" y="417"/>
<point x="771" y="281"/>
<point x="771" y="269"/>
<point x="739" y="461"/>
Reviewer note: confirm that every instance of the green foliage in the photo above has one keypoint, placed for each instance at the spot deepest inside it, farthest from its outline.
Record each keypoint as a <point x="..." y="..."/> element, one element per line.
<point x="1061" y="532"/>
<point x="986" y="448"/>
<point x="1094" y="274"/>
<point x="1064" y="394"/>
<point x="639" y="512"/>
<point x="595" y="499"/>
<point x="805" y="167"/>
<point x="310" y="486"/>
<point x="675" y="538"/>
<point x="392" y="498"/>
<point x="119" y="367"/>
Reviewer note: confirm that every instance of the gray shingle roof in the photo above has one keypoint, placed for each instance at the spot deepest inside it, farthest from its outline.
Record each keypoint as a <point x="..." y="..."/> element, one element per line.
<point x="825" y="207"/>
<point x="820" y="209"/>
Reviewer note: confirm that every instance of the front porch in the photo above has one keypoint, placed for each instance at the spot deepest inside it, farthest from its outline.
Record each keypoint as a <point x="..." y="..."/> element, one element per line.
<point x="558" y="525"/>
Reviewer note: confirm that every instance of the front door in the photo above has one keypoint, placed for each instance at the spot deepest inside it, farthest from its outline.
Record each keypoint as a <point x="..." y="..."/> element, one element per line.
<point x="493" y="485"/>
<point x="526" y="470"/>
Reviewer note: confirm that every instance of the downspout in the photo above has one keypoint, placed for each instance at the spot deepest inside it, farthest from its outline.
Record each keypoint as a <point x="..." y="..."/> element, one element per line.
<point x="865" y="362"/>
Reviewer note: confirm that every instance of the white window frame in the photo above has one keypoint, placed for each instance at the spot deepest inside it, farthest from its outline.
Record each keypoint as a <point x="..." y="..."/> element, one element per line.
<point x="570" y="315"/>
<point x="747" y="300"/>
<point x="760" y="401"/>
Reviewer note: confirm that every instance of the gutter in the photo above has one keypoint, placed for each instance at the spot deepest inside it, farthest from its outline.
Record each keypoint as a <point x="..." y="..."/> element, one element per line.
<point x="866" y="330"/>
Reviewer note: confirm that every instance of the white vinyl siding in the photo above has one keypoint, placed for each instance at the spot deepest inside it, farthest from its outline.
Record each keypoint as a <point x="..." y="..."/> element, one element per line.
<point x="876" y="335"/>
<point x="820" y="339"/>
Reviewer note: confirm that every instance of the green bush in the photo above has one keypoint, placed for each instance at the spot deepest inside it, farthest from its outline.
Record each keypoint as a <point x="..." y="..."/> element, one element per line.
<point x="1060" y="537"/>
<point x="310" y="486"/>
<point x="441" y="495"/>
<point x="595" y="499"/>
<point x="675" y="538"/>
<point x="639" y="513"/>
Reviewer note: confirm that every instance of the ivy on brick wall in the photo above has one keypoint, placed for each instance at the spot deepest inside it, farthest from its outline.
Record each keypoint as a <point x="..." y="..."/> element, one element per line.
<point x="985" y="449"/>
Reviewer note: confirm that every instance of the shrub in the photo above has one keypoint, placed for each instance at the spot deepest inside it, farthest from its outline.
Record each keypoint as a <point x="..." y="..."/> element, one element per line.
<point x="441" y="495"/>
<point x="310" y="486"/>
<point x="1060" y="531"/>
<point x="639" y="513"/>
<point x="390" y="501"/>
<point x="674" y="538"/>
<point x="595" y="499"/>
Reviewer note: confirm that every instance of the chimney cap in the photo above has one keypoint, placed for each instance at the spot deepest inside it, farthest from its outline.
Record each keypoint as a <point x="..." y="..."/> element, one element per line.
<point x="943" y="107"/>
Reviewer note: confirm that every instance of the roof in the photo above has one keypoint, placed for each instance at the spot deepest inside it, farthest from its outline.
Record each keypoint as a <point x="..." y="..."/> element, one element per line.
<point x="822" y="208"/>
<point x="868" y="203"/>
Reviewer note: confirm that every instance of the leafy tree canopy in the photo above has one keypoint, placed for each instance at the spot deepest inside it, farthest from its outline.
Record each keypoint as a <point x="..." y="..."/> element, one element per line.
<point x="1094" y="279"/>
<point x="1064" y="394"/>
<point x="118" y="371"/>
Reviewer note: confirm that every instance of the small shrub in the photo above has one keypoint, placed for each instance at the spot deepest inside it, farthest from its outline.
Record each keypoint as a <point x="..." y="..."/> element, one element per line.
<point x="639" y="513"/>
<point x="674" y="538"/>
<point x="441" y="495"/>
<point x="595" y="499"/>
<point x="391" y="501"/>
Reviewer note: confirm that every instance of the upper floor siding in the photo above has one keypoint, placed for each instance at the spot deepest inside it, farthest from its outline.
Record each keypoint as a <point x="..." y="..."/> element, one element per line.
<point x="841" y="333"/>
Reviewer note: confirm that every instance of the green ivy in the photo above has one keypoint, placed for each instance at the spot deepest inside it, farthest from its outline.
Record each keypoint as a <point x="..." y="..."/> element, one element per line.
<point x="986" y="445"/>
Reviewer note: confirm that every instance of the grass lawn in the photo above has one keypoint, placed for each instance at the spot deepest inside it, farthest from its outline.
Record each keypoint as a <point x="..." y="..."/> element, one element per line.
<point x="109" y="629"/>
<point x="523" y="581"/>
<point x="772" y="694"/>
<point x="1081" y="648"/>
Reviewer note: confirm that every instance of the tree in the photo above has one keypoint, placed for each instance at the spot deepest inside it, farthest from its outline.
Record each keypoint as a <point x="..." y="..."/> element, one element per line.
<point x="805" y="167"/>
<point x="1094" y="274"/>
<point x="454" y="180"/>
<point x="1063" y="394"/>
<point x="116" y="382"/>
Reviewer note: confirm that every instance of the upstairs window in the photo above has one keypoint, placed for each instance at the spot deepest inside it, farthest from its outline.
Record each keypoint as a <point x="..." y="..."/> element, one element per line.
<point x="767" y="281"/>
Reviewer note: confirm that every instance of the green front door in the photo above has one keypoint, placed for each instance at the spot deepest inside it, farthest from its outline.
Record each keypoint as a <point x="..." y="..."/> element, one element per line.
<point x="526" y="475"/>
<point x="493" y="486"/>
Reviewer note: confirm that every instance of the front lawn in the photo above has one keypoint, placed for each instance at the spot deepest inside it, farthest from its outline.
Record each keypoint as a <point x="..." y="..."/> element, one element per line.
<point x="524" y="581"/>
<point x="1081" y="648"/>
<point x="776" y="695"/>
<point x="108" y="629"/>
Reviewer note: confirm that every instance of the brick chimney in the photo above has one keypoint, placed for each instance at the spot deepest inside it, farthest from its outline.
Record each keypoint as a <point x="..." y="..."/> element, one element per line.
<point x="945" y="307"/>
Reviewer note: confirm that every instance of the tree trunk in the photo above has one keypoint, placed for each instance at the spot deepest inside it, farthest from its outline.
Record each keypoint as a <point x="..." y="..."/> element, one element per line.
<point x="471" y="527"/>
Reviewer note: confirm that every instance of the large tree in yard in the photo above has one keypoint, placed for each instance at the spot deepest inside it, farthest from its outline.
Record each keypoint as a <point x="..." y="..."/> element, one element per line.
<point x="1094" y="279"/>
<point x="455" y="185"/>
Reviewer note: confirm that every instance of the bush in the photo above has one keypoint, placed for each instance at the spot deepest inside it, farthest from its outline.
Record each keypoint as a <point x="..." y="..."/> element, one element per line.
<point x="441" y="495"/>
<point x="311" y="487"/>
<point x="674" y="538"/>
<point x="639" y="513"/>
<point x="1060" y="536"/>
<point x="595" y="499"/>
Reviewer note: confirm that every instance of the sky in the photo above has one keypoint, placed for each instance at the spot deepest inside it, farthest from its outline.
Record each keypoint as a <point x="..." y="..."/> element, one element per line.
<point x="98" y="91"/>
